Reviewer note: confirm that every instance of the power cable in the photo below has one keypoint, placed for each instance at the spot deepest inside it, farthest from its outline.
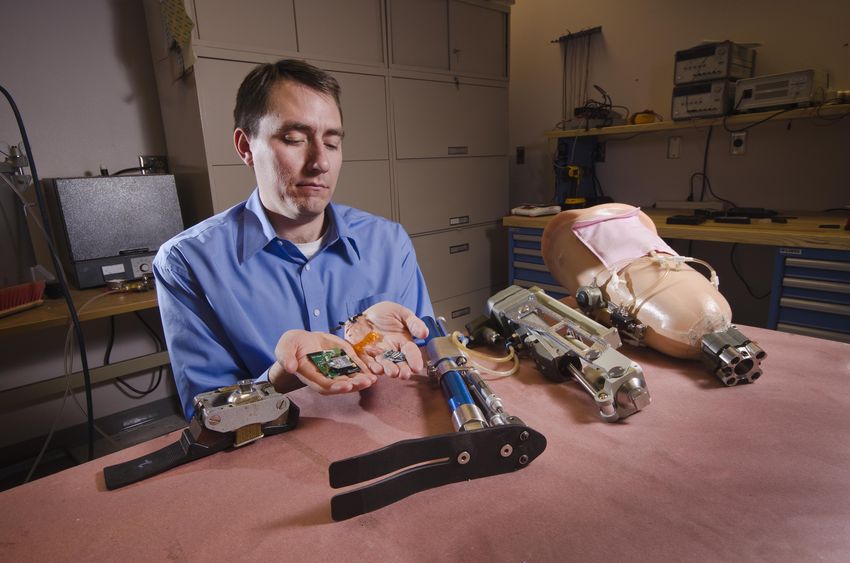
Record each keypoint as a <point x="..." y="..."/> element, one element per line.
<point x="60" y="274"/>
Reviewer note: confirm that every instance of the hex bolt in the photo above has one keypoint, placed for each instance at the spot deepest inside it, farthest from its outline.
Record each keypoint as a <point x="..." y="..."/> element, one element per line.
<point x="524" y="435"/>
<point x="523" y="459"/>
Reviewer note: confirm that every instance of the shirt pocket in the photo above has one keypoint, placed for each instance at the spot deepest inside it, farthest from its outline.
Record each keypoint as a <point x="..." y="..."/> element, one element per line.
<point x="357" y="306"/>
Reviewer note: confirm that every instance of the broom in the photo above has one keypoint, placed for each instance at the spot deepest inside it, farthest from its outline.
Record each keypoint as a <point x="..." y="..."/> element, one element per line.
<point x="16" y="298"/>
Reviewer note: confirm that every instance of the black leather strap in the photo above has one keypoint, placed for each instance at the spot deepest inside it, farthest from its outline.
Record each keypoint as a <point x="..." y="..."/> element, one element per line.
<point x="178" y="453"/>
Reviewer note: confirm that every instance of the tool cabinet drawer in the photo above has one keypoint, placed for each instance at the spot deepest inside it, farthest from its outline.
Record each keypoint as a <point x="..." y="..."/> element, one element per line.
<point x="811" y="293"/>
<point x="525" y="262"/>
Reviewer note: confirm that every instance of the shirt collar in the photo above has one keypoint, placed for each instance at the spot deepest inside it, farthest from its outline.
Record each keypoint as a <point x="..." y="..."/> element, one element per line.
<point x="259" y="231"/>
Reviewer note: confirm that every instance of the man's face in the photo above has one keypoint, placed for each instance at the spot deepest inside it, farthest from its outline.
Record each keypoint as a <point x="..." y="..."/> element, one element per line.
<point x="296" y="152"/>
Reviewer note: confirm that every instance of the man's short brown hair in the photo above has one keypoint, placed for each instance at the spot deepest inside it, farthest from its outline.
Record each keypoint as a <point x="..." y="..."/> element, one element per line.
<point x="253" y="97"/>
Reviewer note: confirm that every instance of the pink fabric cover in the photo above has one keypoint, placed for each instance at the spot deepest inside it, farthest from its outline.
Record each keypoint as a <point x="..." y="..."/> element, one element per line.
<point x="755" y="472"/>
<point x="619" y="239"/>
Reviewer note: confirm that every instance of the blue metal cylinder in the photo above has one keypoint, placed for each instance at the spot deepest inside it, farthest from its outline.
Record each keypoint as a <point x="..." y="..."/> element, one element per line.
<point x="455" y="390"/>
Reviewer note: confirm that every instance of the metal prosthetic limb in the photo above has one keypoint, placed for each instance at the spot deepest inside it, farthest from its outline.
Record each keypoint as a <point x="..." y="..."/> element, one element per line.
<point x="488" y="441"/>
<point x="565" y="343"/>
<point x="229" y="416"/>
<point x="731" y="356"/>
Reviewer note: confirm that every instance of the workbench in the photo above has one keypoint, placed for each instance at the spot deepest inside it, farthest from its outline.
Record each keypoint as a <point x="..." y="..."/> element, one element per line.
<point x="756" y="472"/>
<point x="54" y="313"/>
<point x="810" y="287"/>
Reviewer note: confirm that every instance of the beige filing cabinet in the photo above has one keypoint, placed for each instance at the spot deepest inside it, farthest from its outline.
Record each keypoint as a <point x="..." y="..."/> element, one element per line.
<point x="424" y="99"/>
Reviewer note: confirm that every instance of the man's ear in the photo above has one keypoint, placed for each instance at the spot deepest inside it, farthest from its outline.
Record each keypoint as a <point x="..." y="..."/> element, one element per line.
<point x="243" y="146"/>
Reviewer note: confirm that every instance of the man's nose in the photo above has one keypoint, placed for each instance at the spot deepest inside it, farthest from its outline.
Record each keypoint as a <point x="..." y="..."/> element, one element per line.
<point x="318" y="160"/>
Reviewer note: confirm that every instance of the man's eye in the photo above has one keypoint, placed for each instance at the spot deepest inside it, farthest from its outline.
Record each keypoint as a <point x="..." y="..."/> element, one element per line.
<point x="332" y="146"/>
<point x="293" y="140"/>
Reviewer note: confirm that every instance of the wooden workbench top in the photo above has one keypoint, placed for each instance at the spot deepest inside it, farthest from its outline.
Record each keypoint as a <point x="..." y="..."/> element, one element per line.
<point x="803" y="229"/>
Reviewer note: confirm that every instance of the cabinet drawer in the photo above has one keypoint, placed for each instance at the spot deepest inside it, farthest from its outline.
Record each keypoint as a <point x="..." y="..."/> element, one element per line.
<point x="366" y="185"/>
<point x="462" y="260"/>
<point x="363" y="105"/>
<point x="420" y="33"/>
<point x="479" y="39"/>
<point x="811" y="292"/>
<point x="438" y="119"/>
<point x="267" y="25"/>
<point x="526" y="267"/>
<point x="342" y="29"/>
<point x="446" y="192"/>
<point x="459" y="310"/>
<point x="229" y="185"/>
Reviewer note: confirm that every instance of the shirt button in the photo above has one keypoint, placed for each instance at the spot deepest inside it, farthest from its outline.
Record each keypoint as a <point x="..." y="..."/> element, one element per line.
<point x="279" y="242"/>
<point x="316" y="312"/>
<point x="307" y="267"/>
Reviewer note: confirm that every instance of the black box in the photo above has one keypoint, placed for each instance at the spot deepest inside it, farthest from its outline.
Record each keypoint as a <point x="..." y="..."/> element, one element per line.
<point x="110" y="227"/>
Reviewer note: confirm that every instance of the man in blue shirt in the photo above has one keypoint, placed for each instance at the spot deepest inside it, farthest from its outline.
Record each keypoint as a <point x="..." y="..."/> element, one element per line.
<point x="251" y="291"/>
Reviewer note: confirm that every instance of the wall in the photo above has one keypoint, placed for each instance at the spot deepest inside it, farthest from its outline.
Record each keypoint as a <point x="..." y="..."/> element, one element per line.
<point x="82" y="77"/>
<point x="796" y="166"/>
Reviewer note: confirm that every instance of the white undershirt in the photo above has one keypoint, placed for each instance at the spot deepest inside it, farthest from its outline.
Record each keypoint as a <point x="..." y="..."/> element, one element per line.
<point x="308" y="249"/>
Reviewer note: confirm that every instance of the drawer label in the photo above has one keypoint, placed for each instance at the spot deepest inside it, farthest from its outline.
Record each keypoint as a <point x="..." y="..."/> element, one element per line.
<point x="791" y="251"/>
<point x="460" y="220"/>
<point x="458" y="150"/>
<point x="459" y="248"/>
<point x="460" y="312"/>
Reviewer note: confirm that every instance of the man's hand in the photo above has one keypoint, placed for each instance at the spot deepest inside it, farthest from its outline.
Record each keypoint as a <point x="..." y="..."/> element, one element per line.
<point x="397" y="326"/>
<point x="291" y="359"/>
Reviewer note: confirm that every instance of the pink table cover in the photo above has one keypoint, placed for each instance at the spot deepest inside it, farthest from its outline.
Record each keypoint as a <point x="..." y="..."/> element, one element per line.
<point x="756" y="472"/>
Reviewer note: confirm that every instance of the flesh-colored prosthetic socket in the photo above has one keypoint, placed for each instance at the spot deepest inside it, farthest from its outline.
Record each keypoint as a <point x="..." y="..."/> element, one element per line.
<point x="624" y="275"/>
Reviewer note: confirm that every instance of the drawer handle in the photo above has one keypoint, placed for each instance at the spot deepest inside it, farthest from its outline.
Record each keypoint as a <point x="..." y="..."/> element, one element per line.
<point x="459" y="220"/>
<point x="459" y="248"/>
<point x="458" y="150"/>
<point x="460" y="312"/>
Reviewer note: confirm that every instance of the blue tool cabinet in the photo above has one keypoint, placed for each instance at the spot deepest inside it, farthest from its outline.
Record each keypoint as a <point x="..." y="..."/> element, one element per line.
<point x="811" y="293"/>
<point x="525" y="262"/>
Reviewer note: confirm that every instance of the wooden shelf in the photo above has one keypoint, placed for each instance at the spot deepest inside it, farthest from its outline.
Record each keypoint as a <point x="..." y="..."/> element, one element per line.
<point x="54" y="312"/>
<point x="827" y="111"/>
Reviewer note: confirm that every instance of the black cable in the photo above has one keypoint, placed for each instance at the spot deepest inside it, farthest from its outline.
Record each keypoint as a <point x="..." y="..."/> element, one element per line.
<point x="60" y="275"/>
<point x="711" y="191"/>
<point x="751" y="125"/>
<point x="125" y="170"/>
<point x="704" y="168"/>
<point x="741" y="277"/>
<point x="123" y="385"/>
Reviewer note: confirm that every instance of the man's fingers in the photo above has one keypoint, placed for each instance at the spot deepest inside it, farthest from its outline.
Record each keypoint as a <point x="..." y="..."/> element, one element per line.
<point x="415" y="325"/>
<point x="414" y="357"/>
<point x="390" y="367"/>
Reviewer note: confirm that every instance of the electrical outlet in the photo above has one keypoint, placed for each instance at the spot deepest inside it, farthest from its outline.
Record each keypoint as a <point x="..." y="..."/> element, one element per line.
<point x="738" y="143"/>
<point x="153" y="164"/>
<point x="674" y="143"/>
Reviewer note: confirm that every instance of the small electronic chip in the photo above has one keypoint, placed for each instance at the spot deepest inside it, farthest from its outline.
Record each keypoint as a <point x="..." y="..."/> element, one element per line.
<point x="333" y="363"/>
<point x="395" y="356"/>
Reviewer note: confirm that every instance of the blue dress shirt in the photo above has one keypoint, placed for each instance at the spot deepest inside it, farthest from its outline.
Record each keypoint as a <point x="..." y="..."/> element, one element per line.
<point x="229" y="287"/>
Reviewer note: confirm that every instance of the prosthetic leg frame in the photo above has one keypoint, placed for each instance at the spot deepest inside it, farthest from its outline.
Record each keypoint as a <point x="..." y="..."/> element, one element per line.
<point x="566" y="344"/>
<point x="487" y="441"/>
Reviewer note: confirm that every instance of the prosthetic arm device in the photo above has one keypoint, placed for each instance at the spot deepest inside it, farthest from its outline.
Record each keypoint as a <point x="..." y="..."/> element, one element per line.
<point x="229" y="416"/>
<point x="488" y="440"/>
<point x="564" y="343"/>
<point x="625" y="276"/>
